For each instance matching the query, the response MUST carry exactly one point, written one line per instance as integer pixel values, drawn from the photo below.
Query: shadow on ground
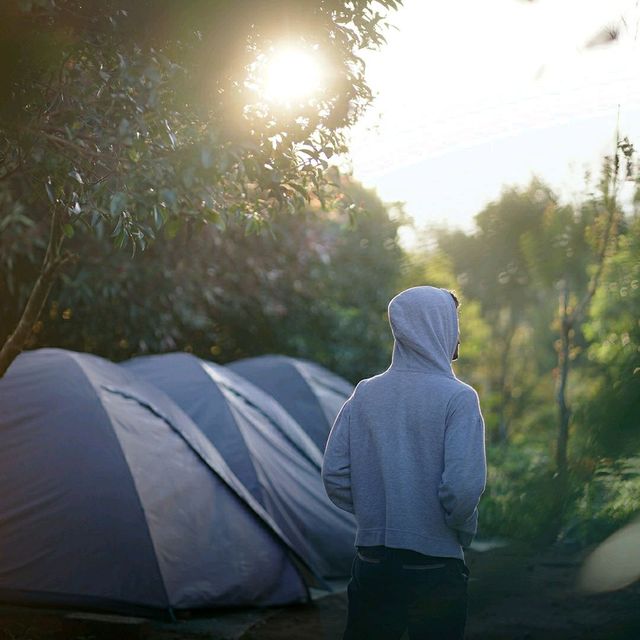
(515, 594)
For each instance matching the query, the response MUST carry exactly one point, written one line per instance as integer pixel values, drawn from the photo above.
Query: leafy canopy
(128, 116)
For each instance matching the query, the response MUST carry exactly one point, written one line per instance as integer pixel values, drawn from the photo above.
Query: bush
(526, 501)
(520, 501)
(606, 501)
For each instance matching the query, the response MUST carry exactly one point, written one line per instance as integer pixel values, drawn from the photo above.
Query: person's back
(406, 456)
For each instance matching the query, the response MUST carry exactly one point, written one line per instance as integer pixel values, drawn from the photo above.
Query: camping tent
(312, 394)
(111, 498)
(265, 448)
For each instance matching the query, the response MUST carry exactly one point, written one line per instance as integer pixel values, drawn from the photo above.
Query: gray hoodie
(406, 452)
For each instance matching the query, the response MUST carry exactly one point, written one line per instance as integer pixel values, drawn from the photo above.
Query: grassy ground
(516, 594)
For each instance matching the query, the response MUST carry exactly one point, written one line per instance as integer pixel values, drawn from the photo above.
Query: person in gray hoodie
(406, 456)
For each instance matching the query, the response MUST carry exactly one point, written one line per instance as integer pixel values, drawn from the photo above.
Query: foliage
(490, 263)
(134, 114)
(518, 502)
(127, 117)
(130, 124)
(575, 255)
(607, 498)
(609, 415)
(491, 268)
(314, 286)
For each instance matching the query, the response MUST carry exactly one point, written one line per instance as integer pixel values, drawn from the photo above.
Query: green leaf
(310, 152)
(212, 216)
(27, 222)
(121, 239)
(153, 74)
(68, 230)
(158, 219)
(172, 227)
(118, 203)
(206, 157)
(118, 230)
(47, 186)
(123, 128)
(188, 177)
(76, 176)
(170, 198)
(300, 189)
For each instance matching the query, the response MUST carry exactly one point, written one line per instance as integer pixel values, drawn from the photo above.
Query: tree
(490, 267)
(130, 117)
(313, 285)
(569, 253)
(609, 415)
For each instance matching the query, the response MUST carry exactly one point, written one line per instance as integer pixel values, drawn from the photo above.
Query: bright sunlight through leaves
(288, 75)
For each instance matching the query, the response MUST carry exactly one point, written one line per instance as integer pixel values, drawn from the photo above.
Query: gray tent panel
(244, 568)
(259, 546)
(105, 503)
(284, 460)
(323, 534)
(331, 390)
(68, 506)
(233, 384)
(183, 376)
(181, 381)
(310, 393)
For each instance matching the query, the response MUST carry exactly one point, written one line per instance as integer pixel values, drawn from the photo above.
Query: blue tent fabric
(264, 447)
(312, 394)
(112, 498)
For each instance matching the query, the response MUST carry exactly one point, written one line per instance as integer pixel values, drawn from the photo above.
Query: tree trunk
(570, 320)
(564, 364)
(505, 395)
(52, 262)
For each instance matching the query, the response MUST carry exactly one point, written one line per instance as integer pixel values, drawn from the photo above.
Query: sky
(472, 96)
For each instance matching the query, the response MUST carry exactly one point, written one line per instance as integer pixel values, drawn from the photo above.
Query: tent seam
(271, 421)
(298, 361)
(272, 529)
(133, 482)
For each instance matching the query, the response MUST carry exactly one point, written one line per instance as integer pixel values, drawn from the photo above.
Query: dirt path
(515, 594)
(530, 596)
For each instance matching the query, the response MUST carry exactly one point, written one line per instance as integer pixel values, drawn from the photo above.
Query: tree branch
(51, 264)
(608, 233)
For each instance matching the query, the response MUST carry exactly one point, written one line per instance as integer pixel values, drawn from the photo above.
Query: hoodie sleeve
(336, 466)
(464, 476)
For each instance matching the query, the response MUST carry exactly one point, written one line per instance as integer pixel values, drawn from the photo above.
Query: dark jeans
(394, 590)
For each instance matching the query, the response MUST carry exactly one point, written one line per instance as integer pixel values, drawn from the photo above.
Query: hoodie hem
(400, 539)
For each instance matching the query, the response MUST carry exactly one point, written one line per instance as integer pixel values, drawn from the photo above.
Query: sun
(290, 75)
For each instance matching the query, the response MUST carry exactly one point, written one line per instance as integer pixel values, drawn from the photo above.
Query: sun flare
(290, 75)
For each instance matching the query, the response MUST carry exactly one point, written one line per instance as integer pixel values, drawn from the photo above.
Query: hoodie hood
(424, 322)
